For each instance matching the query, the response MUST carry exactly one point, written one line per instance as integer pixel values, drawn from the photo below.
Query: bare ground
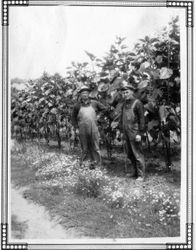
(35, 220)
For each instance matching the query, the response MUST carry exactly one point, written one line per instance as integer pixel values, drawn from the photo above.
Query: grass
(101, 203)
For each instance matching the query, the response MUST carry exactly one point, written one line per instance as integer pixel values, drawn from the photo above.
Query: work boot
(140, 179)
(82, 164)
(131, 175)
(92, 165)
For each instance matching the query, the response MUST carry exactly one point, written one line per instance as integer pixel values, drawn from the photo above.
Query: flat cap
(84, 88)
(125, 85)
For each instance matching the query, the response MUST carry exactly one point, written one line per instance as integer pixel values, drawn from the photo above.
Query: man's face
(84, 95)
(143, 95)
(113, 73)
(128, 94)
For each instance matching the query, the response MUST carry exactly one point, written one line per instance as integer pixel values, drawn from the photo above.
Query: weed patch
(89, 183)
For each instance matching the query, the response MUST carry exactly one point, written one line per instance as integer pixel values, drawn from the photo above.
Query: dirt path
(38, 222)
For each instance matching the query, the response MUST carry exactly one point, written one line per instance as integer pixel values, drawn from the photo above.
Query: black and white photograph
(97, 125)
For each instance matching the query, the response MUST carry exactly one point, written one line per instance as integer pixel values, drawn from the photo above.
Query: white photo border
(188, 7)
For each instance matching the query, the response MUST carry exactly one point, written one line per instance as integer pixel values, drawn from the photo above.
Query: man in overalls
(133, 128)
(84, 118)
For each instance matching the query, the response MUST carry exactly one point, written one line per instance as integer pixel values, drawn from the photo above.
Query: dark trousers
(90, 147)
(135, 154)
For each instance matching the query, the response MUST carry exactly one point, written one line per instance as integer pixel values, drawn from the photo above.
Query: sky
(49, 38)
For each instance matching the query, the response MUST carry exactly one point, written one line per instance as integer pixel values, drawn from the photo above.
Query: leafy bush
(89, 183)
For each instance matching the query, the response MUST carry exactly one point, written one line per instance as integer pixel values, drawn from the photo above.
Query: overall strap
(133, 105)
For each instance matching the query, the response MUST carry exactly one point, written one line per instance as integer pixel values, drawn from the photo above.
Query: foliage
(44, 108)
(89, 183)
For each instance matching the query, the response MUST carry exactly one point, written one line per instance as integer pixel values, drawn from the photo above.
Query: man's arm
(120, 115)
(74, 115)
(98, 106)
(101, 107)
(140, 114)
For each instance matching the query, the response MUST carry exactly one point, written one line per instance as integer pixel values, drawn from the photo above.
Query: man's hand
(77, 131)
(138, 138)
(114, 125)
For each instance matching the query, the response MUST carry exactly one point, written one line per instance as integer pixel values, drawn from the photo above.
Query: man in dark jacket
(133, 128)
(84, 118)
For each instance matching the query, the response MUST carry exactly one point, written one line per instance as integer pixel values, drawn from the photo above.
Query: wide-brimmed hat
(84, 88)
(125, 85)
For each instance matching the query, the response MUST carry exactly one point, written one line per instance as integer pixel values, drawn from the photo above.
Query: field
(99, 203)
